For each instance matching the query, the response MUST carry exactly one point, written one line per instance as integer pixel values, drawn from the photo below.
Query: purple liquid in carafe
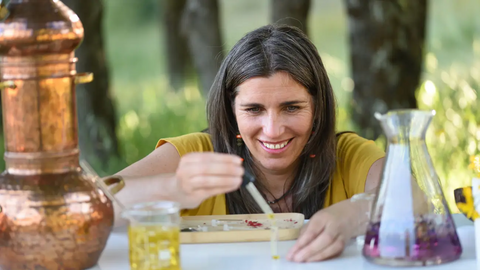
(427, 243)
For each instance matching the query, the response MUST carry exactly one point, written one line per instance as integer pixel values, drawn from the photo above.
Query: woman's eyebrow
(293, 102)
(251, 105)
(286, 103)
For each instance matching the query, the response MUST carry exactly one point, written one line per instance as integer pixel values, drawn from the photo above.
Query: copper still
(52, 214)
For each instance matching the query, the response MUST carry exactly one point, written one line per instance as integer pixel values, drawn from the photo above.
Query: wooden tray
(239, 228)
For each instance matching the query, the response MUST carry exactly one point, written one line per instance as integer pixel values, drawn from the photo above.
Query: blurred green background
(149, 110)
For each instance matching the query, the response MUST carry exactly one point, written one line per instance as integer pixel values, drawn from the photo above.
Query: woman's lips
(275, 148)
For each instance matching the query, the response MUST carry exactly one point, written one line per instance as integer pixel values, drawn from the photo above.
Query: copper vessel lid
(36, 27)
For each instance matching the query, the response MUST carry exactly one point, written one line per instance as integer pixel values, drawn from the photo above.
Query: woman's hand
(323, 237)
(203, 175)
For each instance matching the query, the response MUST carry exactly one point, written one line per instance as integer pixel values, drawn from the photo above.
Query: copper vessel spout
(52, 214)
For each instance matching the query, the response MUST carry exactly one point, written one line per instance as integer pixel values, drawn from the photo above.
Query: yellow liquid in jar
(154, 247)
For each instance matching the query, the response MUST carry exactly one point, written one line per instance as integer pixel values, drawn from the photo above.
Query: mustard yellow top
(355, 156)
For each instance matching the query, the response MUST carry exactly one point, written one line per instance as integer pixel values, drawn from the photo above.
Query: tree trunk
(294, 13)
(386, 42)
(177, 54)
(201, 26)
(96, 114)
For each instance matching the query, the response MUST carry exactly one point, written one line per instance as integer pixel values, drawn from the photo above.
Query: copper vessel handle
(112, 180)
(7, 84)
(84, 77)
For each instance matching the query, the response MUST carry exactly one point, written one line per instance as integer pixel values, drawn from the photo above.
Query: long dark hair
(261, 53)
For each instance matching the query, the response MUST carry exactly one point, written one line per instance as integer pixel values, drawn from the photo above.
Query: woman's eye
(253, 109)
(292, 108)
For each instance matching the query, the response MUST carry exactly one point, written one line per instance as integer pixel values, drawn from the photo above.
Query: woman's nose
(273, 126)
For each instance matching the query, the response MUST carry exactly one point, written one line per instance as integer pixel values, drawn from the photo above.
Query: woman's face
(274, 117)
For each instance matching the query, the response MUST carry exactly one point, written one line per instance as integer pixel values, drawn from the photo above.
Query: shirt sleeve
(355, 156)
(193, 142)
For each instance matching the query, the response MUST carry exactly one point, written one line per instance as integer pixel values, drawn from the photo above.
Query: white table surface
(256, 255)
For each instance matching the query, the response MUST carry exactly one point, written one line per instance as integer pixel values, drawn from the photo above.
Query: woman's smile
(275, 147)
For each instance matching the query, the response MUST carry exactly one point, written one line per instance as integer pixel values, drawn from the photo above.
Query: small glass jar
(154, 235)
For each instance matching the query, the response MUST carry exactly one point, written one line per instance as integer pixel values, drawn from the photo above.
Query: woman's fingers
(213, 169)
(320, 239)
(329, 251)
(205, 157)
(314, 246)
(202, 175)
(309, 232)
(209, 181)
(198, 169)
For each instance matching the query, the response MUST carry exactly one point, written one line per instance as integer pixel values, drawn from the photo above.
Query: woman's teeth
(275, 146)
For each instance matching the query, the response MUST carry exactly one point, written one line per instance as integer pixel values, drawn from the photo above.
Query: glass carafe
(410, 222)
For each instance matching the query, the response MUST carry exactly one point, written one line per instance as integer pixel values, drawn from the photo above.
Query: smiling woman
(271, 111)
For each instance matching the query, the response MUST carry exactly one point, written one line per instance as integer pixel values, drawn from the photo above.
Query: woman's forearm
(145, 189)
